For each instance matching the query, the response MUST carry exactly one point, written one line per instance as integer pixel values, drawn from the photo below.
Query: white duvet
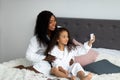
(9, 73)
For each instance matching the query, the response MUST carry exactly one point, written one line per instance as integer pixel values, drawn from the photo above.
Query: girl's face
(63, 38)
(52, 24)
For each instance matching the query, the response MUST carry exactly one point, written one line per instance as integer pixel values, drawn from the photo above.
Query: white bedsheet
(9, 73)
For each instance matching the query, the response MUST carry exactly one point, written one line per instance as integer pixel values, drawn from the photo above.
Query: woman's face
(52, 23)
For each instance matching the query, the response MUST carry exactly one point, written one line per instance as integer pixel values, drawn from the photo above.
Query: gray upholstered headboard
(107, 31)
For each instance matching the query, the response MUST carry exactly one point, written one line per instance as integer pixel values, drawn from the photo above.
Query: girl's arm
(85, 48)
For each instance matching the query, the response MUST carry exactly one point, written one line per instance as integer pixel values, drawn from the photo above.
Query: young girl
(64, 50)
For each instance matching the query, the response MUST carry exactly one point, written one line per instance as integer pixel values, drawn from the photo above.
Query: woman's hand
(71, 62)
(49, 58)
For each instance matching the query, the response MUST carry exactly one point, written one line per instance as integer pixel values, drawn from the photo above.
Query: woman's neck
(49, 33)
(61, 47)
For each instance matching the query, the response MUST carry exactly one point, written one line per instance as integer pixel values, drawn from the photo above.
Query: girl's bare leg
(58, 73)
(82, 76)
(73, 78)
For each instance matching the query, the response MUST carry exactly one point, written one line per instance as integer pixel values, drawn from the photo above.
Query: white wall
(0, 29)
(17, 19)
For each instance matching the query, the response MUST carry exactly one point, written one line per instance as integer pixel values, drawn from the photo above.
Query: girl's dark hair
(70, 44)
(41, 27)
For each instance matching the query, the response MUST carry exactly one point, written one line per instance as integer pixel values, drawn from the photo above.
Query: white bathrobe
(35, 54)
(63, 58)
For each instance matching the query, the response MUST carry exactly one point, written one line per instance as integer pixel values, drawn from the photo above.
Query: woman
(44, 31)
(64, 50)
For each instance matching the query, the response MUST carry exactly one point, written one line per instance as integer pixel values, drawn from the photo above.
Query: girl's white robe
(63, 57)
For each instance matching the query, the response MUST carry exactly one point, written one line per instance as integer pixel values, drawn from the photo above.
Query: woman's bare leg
(82, 76)
(20, 67)
(28, 68)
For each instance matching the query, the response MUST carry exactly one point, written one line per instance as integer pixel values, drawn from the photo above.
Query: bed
(107, 45)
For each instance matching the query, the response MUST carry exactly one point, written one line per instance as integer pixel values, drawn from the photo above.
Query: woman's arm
(32, 50)
(49, 58)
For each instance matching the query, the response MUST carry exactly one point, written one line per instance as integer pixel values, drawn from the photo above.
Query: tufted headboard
(107, 31)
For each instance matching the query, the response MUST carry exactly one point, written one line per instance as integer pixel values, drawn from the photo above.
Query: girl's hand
(92, 40)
